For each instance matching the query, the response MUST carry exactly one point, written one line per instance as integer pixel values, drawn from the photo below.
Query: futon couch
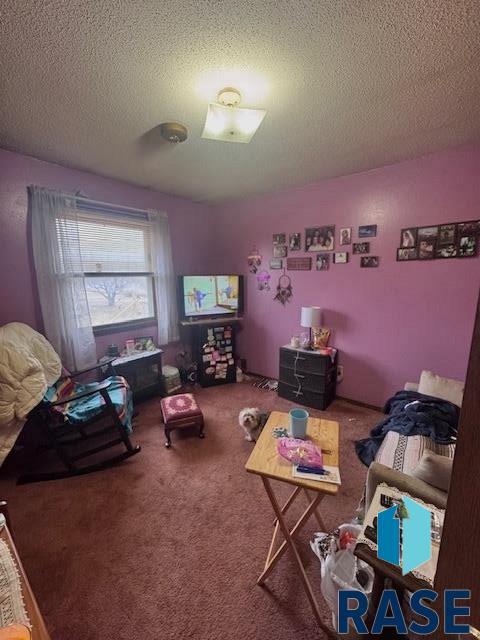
(416, 464)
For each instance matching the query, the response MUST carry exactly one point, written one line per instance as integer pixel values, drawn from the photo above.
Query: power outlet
(339, 372)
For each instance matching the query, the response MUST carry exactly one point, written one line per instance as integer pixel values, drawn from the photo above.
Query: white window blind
(113, 253)
(114, 246)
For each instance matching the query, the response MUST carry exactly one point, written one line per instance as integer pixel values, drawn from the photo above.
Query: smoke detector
(173, 132)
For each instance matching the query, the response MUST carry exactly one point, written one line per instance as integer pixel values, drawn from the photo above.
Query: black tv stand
(198, 320)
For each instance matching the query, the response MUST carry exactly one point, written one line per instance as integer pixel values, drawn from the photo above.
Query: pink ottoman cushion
(178, 407)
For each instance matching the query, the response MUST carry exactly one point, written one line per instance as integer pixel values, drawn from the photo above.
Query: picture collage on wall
(319, 241)
(450, 240)
(358, 248)
(322, 242)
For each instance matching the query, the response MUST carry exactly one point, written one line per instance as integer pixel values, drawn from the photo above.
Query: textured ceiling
(348, 85)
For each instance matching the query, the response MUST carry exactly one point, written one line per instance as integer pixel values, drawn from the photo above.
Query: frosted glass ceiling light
(228, 122)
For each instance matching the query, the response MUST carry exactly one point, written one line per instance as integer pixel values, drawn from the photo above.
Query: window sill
(119, 327)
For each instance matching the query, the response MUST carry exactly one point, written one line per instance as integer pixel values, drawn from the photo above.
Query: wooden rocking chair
(69, 438)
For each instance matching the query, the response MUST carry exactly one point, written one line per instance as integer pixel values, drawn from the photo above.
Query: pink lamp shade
(311, 317)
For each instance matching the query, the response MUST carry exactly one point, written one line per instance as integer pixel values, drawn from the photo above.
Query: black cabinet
(143, 372)
(307, 377)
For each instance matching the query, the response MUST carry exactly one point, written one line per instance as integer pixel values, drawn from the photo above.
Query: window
(116, 262)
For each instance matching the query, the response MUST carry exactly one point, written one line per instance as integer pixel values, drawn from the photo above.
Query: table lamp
(311, 317)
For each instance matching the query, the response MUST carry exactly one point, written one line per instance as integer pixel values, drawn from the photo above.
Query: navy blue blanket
(411, 413)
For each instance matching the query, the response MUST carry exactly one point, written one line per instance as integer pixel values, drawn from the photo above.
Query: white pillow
(443, 388)
(434, 469)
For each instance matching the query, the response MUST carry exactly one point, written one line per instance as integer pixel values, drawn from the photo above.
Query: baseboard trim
(257, 375)
(365, 405)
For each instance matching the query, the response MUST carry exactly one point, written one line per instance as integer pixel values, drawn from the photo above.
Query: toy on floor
(280, 432)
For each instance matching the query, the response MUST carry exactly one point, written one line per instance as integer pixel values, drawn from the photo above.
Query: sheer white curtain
(164, 278)
(60, 279)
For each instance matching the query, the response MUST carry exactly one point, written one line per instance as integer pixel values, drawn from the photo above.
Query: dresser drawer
(315, 382)
(306, 397)
(304, 361)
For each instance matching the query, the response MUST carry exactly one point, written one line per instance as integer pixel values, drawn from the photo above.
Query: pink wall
(18, 299)
(391, 322)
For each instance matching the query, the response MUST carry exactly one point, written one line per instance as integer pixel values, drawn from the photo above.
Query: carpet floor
(169, 543)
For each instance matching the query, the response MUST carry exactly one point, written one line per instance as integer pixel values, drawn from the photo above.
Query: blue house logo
(404, 538)
(404, 535)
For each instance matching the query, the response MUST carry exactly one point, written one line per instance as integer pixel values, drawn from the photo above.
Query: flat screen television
(203, 297)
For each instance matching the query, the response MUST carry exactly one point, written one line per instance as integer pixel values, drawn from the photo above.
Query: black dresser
(307, 377)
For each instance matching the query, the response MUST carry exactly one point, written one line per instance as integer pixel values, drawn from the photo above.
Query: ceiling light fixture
(227, 122)
(173, 132)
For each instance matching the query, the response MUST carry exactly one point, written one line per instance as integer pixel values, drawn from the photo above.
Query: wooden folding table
(266, 462)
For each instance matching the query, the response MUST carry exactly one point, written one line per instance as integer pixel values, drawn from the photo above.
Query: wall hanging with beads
(263, 280)
(284, 289)
(254, 260)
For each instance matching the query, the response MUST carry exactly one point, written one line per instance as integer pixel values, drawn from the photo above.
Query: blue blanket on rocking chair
(79, 411)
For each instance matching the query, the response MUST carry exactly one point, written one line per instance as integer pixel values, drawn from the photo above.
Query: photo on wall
(367, 231)
(276, 263)
(299, 264)
(427, 241)
(467, 246)
(294, 242)
(279, 238)
(446, 251)
(407, 253)
(426, 249)
(361, 247)
(369, 261)
(320, 238)
(346, 235)
(447, 234)
(469, 228)
(427, 233)
(323, 261)
(279, 251)
(446, 245)
(408, 237)
(340, 257)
